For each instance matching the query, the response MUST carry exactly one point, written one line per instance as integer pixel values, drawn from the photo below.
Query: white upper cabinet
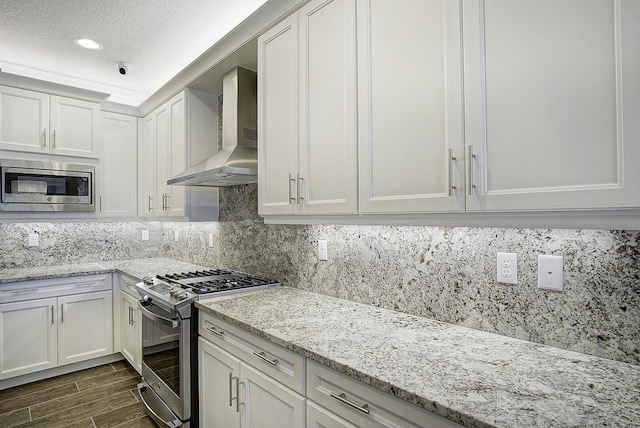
(24, 120)
(278, 117)
(163, 153)
(552, 104)
(307, 145)
(410, 106)
(118, 166)
(40, 123)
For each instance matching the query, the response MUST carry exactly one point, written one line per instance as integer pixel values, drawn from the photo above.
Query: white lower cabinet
(28, 335)
(50, 323)
(337, 400)
(131, 332)
(241, 380)
(85, 327)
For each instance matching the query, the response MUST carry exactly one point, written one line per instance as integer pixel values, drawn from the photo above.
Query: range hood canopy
(237, 162)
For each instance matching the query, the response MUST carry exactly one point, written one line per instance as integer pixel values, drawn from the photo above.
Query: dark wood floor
(104, 396)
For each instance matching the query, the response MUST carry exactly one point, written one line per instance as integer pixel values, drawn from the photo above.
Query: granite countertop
(475, 378)
(138, 268)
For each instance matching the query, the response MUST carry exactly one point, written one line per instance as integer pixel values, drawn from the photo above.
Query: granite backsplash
(444, 273)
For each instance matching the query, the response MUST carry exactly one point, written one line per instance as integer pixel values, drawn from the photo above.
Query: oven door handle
(175, 323)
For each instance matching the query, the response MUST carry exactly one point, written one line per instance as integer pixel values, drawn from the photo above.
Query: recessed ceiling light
(88, 43)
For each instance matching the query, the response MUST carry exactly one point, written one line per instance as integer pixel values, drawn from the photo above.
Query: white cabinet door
(218, 386)
(268, 403)
(307, 148)
(28, 337)
(147, 165)
(24, 120)
(176, 155)
(552, 104)
(131, 331)
(410, 106)
(119, 166)
(278, 118)
(75, 126)
(85, 326)
(328, 181)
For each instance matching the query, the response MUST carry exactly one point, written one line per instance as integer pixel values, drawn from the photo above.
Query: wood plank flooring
(104, 396)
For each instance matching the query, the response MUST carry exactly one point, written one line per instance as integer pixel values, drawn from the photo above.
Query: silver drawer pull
(263, 357)
(364, 408)
(25, 291)
(216, 332)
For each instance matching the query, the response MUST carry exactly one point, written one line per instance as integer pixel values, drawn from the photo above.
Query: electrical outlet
(323, 251)
(145, 235)
(211, 240)
(176, 236)
(550, 276)
(507, 268)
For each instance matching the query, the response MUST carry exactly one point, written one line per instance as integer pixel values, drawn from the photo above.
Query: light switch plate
(550, 275)
(211, 240)
(34, 240)
(507, 268)
(176, 236)
(145, 235)
(323, 251)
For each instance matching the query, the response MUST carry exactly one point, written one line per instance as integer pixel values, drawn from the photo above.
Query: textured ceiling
(157, 38)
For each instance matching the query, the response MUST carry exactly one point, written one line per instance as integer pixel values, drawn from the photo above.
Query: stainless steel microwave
(46, 186)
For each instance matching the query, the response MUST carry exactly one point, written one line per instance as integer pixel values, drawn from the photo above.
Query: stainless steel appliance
(237, 162)
(169, 388)
(46, 186)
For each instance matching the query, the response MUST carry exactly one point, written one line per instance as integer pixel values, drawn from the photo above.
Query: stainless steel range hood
(237, 162)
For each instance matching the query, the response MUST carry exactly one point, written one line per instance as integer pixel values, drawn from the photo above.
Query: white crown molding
(13, 80)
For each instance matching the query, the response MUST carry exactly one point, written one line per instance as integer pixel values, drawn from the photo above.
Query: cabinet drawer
(54, 287)
(363, 405)
(128, 285)
(281, 364)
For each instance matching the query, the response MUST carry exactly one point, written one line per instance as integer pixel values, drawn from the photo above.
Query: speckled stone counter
(475, 378)
(137, 268)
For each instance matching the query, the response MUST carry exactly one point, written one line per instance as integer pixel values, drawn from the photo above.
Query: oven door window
(161, 347)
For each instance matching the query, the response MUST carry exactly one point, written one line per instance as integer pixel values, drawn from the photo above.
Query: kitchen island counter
(138, 268)
(474, 378)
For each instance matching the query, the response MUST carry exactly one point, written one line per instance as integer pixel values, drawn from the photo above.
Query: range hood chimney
(237, 162)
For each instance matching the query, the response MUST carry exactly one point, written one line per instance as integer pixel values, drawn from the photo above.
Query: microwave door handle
(175, 323)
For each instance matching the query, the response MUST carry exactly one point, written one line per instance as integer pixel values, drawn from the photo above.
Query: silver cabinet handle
(237, 397)
(52, 321)
(44, 138)
(291, 198)
(53, 140)
(472, 156)
(150, 202)
(364, 408)
(62, 312)
(168, 196)
(214, 331)
(300, 181)
(263, 357)
(100, 202)
(130, 315)
(452, 186)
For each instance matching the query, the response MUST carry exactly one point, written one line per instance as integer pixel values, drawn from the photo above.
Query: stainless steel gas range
(169, 387)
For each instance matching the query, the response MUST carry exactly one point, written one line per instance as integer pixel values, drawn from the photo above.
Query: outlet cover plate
(550, 276)
(507, 268)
